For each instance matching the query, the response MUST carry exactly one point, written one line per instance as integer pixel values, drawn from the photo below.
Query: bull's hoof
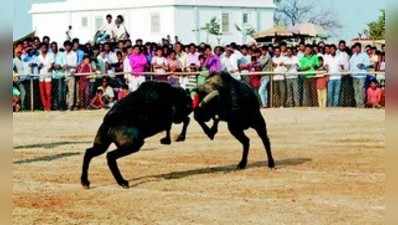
(165, 141)
(211, 134)
(124, 184)
(180, 138)
(242, 165)
(271, 164)
(85, 184)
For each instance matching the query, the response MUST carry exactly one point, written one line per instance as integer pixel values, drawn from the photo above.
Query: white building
(152, 20)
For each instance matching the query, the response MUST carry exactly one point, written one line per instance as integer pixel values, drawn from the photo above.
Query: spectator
(16, 100)
(308, 63)
(292, 93)
(123, 92)
(78, 50)
(58, 78)
(255, 80)
(193, 56)
(120, 31)
(279, 83)
(266, 65)
(97, 101)
(159, 65)
(334, 65)
(230, 64)
(105, 33)
(244, 62)
(212, 61)
(138, 63)
(374, 95)
(19, 70)
(70, 68)
(46, 63)
(108, 95)
(359, 64)
(321, 85)
(84, 89)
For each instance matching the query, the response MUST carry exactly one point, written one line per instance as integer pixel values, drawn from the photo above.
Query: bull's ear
(188, 92)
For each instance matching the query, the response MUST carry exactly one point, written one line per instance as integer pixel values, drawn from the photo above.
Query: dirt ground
(330, 170)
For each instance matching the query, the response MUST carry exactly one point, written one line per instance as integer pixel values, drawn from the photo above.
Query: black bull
(153, 108)
(238, 105)
(156, 105)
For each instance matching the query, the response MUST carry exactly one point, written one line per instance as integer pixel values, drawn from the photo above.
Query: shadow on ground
(50, 145)
(220, 169)
(48, 158)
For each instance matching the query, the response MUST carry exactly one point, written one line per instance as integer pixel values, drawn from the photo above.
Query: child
(97, 102)
(16, 106)
(255, 80)
(174, 65)
(123, 92)
(84, 89)
(159, 65)
(321, 85)
(374, 95)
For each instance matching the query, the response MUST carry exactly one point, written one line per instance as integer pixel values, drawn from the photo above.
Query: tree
(213, 27)
(376, 30)
(246, 30)
(292, 12)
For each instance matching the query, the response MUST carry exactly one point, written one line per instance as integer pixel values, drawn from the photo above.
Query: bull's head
(182, 105)
(207, 110)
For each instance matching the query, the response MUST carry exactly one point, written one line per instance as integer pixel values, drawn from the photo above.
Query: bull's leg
(261, 129)
(210, 132)
(166, 140)
(244, 140)
(182, 135)
(101, 144)
(122, 151)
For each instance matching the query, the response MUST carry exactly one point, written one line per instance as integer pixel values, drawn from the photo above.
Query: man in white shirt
(279, 83)
(229, 64)
(293, 97)
(359, 64)
(335, 65)
(46, 63)
(70, 68)
(107, 28)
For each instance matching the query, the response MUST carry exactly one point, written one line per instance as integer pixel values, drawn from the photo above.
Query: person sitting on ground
(97, 102)
(108, 94)
(123, 92)
(374, 95)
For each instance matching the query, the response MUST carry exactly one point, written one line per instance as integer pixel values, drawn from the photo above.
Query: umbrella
(273, 32)
(308, 29)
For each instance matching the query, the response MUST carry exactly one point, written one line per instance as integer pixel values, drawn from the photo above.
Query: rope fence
(380, 76)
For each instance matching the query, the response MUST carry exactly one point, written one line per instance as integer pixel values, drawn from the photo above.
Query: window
(84, 21)
(225, 22)
(245, 18)
(99, 21)
(155, 23)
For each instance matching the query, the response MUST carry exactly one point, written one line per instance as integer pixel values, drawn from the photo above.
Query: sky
(353, 15)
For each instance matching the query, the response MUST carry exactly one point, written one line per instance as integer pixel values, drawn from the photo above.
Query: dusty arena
(329, 171)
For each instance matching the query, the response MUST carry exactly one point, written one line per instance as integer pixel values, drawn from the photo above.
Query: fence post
(270, 91)
(32, 107)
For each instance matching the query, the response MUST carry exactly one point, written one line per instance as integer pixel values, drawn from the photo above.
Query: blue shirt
(30, 59)
(355, 62)
(80, 55)
(59, 59)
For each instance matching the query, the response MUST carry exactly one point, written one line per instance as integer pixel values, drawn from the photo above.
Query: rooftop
(92, 5)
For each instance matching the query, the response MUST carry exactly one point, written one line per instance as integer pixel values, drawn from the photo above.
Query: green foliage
(213, 27)
(377, 29)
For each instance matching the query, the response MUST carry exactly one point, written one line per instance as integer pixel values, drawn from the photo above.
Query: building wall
(173, 20)
(190, 18)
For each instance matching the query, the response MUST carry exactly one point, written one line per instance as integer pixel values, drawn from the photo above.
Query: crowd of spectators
(119, 64)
